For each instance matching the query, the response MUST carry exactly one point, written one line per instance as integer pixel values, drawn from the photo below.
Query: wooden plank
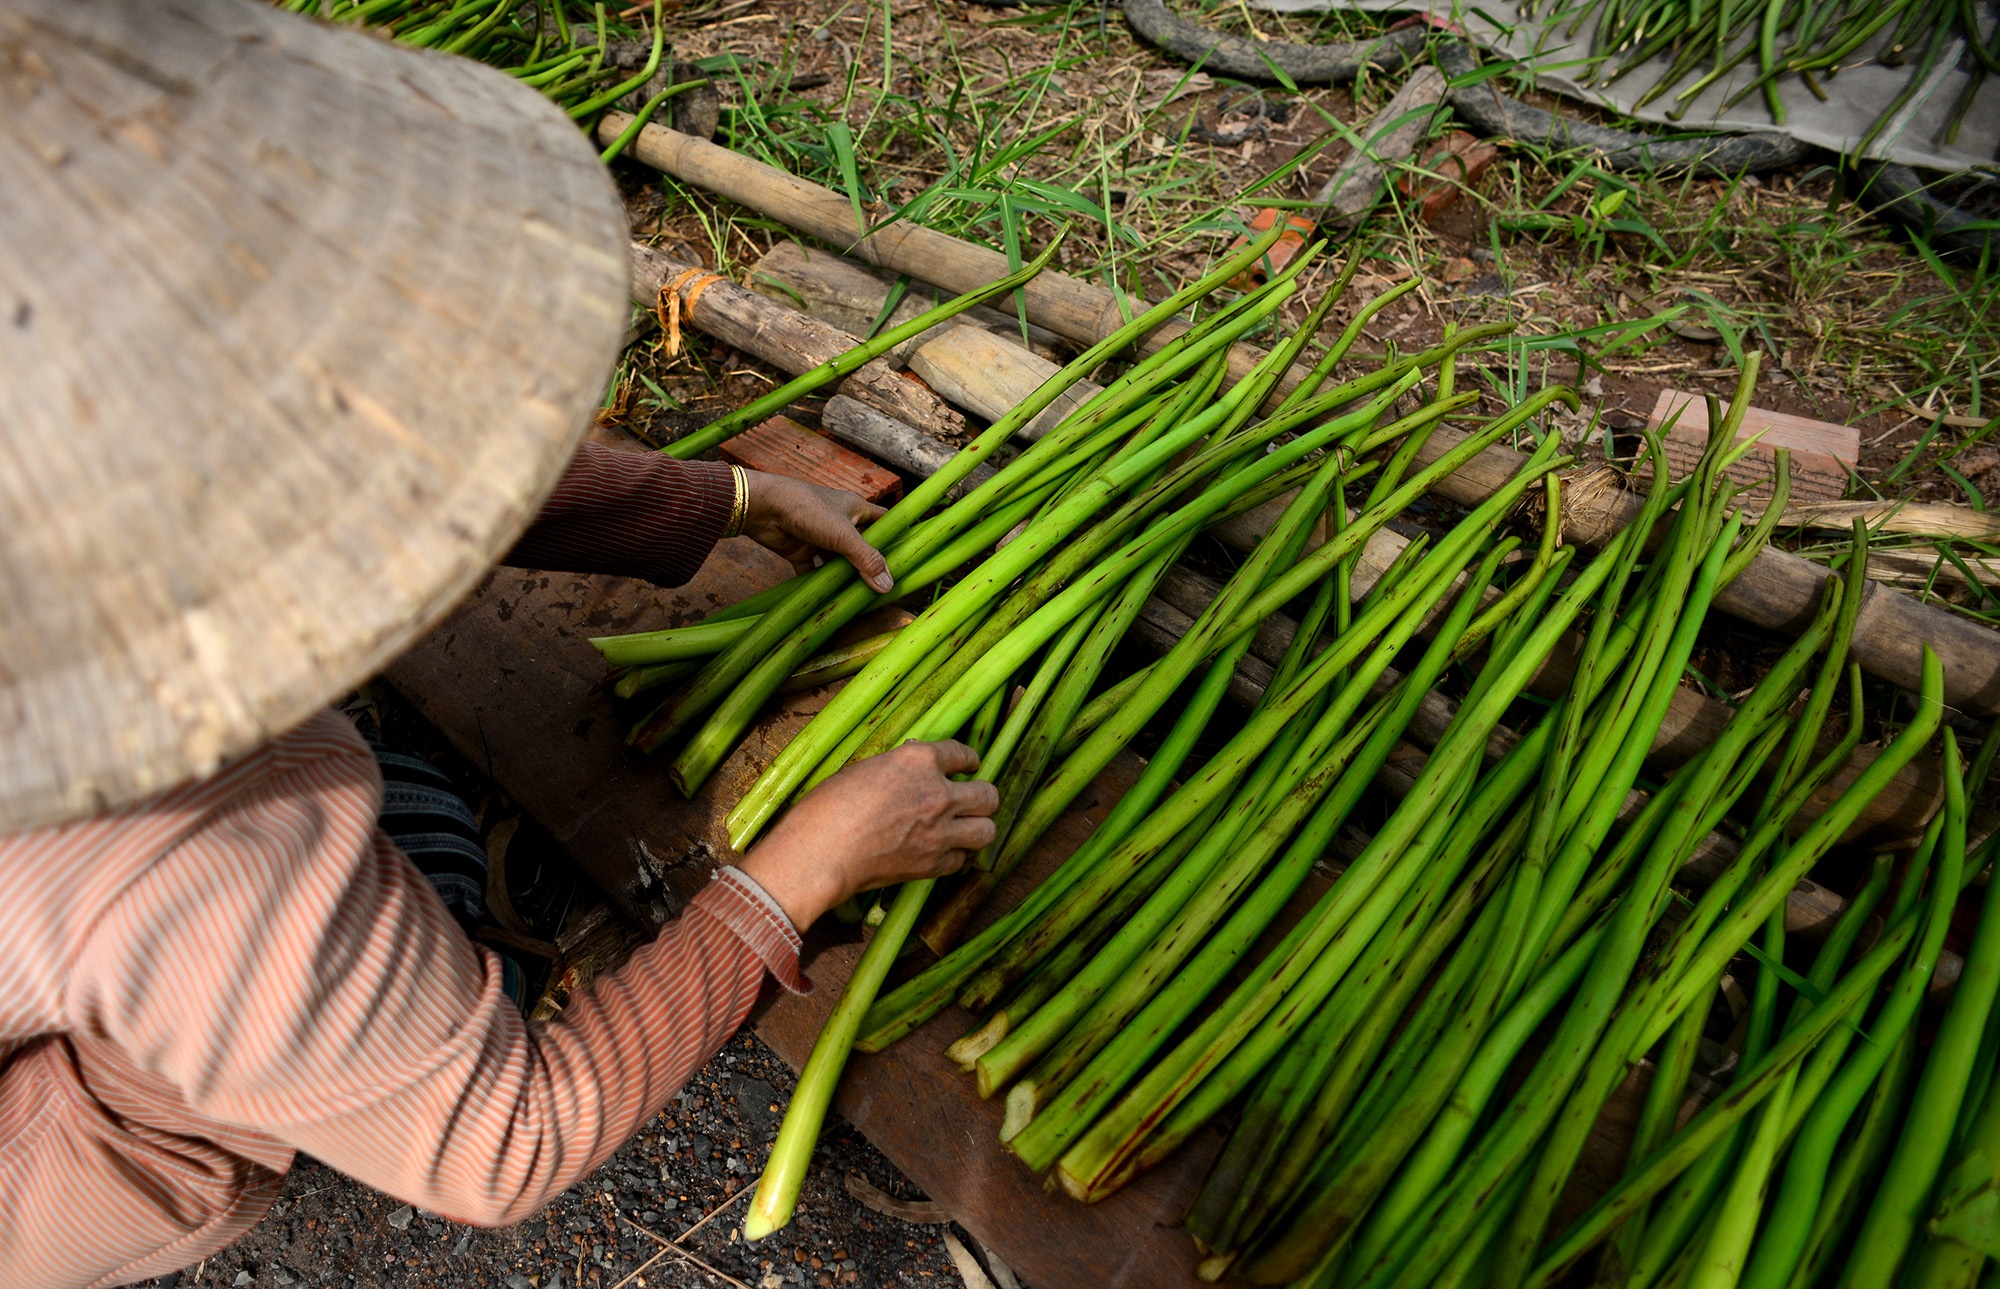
(1394, 134)
(783, 446)
(513, 682)
(1821, 451)
(925, 1114)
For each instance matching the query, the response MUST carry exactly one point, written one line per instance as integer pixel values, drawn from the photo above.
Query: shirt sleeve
(288, 970)
(636, 514)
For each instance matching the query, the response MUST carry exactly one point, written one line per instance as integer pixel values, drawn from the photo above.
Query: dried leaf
(919, 1212)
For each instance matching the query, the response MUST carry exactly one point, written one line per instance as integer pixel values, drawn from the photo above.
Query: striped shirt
(245, 967)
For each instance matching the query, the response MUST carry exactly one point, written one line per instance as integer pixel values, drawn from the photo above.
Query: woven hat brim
(297, 329)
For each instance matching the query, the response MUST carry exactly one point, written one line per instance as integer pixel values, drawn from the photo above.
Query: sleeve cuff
(638, 514)
(747, 909)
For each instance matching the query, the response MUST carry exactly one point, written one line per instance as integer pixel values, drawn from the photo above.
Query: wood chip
(918, 1212)
(968, 1266)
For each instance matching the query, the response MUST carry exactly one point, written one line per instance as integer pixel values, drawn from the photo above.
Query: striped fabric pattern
(637, 514)
(247, 966)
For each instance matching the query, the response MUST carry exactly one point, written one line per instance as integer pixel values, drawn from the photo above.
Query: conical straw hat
(297, 329)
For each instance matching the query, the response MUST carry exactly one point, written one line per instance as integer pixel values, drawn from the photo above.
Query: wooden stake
(1393, 137)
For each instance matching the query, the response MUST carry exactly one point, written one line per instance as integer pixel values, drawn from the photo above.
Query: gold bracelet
(739, 509)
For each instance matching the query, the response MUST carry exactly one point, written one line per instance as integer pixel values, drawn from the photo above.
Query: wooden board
(960, 366)
(1821, 451)
(924, 1113)
(783, 446)
(513, 681)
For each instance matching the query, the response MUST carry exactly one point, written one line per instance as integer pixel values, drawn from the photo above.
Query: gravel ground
(687, 1169)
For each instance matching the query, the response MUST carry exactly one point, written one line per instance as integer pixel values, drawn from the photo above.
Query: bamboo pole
(1777, 591)
(790, 340)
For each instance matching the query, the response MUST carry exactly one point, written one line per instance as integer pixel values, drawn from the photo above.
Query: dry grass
(999, 124)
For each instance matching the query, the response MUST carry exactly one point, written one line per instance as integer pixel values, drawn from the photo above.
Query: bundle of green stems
(1776, 40)
(557, 46)
(1417, 1063)
(1383, 1145)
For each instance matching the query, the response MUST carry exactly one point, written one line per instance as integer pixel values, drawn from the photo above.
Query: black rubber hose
(1903, 193)
(1236, 56)
(1486, 109)
(1483, 106)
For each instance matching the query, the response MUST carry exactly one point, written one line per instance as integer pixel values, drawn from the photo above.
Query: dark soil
(691, 1163)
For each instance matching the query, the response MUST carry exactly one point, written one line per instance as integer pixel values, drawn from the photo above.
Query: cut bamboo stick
(784, 337)
(1912, 518)
(957, 366)
(892, 442)
(850, 295)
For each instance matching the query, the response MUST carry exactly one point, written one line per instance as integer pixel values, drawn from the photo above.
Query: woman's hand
(889, 818)
(799, 519)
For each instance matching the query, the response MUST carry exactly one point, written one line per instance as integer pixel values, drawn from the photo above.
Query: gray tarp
(1856, 96)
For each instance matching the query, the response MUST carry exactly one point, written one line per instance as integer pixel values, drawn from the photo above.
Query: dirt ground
(681, 1181)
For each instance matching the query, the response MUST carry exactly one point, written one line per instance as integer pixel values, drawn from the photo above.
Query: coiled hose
(1483, 106)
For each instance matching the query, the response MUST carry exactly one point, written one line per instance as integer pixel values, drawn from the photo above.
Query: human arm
(901, 817)
(644, 514)
(285, 968)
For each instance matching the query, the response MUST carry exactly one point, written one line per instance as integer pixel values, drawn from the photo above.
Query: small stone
(1458, 268)
(734, 1164)
(773, 1281)
(701, 1146)
(519, 1282)
(650, 1217)
(463, 1247)
(244, 1278)
(400, 1219)
(284, 1277)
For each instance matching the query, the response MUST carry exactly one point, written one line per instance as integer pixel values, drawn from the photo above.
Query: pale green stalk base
(791, 1154)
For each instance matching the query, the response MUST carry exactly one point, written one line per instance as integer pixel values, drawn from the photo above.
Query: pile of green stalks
(1779, 40)
(1418, 1061)
(558, 46)
(1419, 1102)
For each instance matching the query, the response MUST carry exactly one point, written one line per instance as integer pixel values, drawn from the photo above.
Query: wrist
(801, 888)
(739, 509)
